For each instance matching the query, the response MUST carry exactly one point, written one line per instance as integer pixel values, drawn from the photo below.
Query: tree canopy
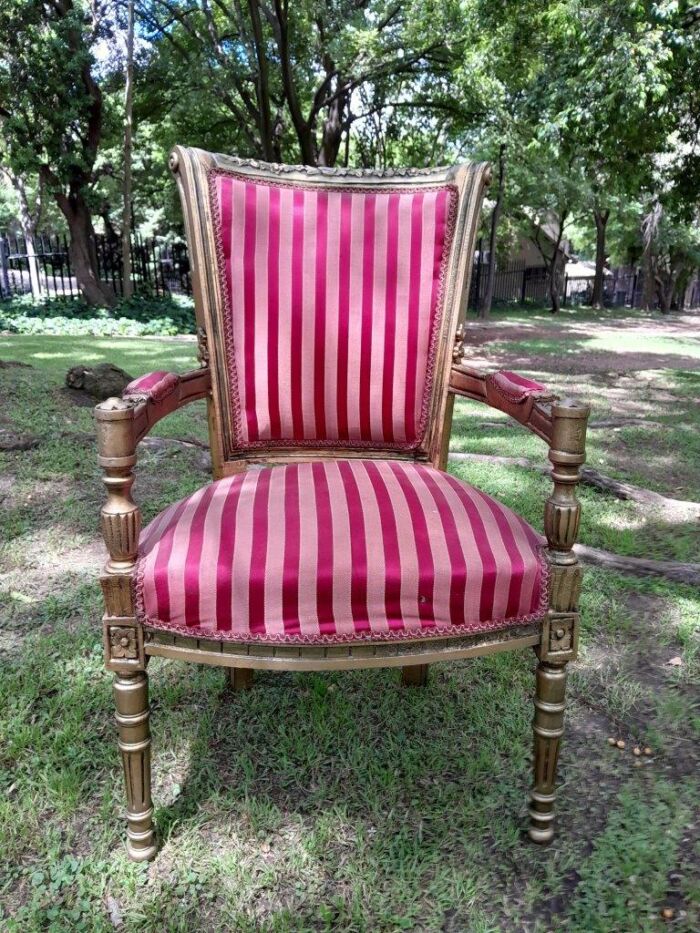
(587, 108)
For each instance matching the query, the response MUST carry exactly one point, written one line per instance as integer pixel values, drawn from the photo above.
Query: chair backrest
(327, 303)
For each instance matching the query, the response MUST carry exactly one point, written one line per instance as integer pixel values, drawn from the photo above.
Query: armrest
(528, 402)
(149, 398)
(121, 424)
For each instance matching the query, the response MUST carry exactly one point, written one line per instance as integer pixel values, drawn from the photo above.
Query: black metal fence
(163, 268)
(513, 284)
(520, 284)
(158, 267)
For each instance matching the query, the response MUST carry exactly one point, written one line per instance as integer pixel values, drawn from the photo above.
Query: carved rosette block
(132, 718)
(559, 637)
(124, 645)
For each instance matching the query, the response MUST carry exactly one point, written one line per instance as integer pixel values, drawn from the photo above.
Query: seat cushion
(337, 551)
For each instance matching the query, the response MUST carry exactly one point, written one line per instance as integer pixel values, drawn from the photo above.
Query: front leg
(123, 635)
(132, 716)
(559, 642)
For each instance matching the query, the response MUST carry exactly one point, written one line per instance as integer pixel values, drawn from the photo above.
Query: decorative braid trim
(433, 632)
(355, 444)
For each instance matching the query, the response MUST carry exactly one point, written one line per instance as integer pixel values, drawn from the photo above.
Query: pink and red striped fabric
(156, 385)
(335, 551)
(332, 307)
(514, 387)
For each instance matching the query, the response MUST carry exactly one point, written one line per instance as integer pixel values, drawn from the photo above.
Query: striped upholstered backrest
(329, 305)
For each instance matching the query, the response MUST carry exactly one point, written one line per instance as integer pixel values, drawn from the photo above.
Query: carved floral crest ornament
(330, 351)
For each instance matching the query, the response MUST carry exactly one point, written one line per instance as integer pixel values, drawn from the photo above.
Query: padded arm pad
(523, 399)
(148, 399)
(513, 387)
(157, 386)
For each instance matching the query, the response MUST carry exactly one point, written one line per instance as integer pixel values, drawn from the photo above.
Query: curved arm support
(527, 402)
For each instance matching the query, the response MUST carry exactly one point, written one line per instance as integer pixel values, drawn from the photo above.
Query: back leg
(241, 678)
(415, 676)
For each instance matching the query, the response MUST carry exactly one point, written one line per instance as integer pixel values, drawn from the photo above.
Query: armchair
(327, 305)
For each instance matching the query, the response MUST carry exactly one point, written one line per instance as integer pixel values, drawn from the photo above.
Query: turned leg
(548, 728)
(131, 699)
(241, 678)
(560, 626)
(415, 675)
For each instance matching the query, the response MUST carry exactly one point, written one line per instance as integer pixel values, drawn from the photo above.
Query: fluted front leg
(548, 728)
(559, 642)
(132, 716)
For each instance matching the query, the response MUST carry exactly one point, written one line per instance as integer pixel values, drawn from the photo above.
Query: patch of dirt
(14, 440)
(14, 364)
(579, 360)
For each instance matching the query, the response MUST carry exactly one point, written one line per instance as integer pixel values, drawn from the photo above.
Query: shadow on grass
(336, 799)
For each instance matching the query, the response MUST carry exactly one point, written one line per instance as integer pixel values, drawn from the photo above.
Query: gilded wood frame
(122, 423)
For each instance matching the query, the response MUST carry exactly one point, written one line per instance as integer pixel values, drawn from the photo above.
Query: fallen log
(674, 570)
(591, 477)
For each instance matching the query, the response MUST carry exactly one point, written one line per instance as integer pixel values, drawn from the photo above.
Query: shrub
(137, 317)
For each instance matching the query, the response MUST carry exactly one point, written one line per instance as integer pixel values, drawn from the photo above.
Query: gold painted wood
(559, 643)
(122, 423)
(132, 715)
(241, 678)
(415, 676)
(548, 728)
(338, 657)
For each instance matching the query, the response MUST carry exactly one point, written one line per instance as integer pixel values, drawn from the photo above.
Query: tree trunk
(601, 221)
(333, 131)
(487, 301)
(32, 262)
(127, 287)
(554, 296)
(666, 284)
(83, 255)
(554, 278)
(28, 224)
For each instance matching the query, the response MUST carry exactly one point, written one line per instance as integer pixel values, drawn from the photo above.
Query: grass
(342, 801)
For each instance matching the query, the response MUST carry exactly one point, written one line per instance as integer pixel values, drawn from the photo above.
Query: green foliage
(137, 317)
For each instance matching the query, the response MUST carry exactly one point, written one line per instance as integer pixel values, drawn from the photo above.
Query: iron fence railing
(162, 267)
(520, 284)
(158, 267)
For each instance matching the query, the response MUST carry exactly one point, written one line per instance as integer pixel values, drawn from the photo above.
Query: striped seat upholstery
(332, 302)
(336, 551)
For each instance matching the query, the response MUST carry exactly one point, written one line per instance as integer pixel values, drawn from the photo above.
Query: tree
(128, 124)
(29, 220)
(288, 74)
(52, 114)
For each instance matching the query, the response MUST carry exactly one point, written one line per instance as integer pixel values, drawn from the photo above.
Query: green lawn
(342, 801)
